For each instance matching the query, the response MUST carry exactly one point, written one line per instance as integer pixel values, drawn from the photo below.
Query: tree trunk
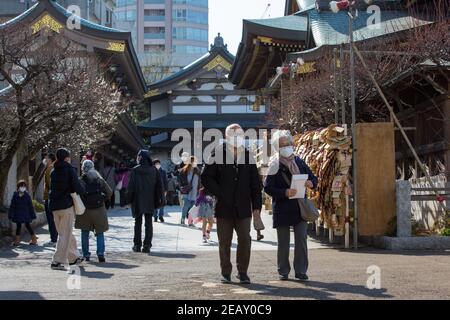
(5, 165)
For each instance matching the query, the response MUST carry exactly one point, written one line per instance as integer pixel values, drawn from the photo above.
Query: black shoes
(161, 219)
(146, 249)
(243, 278)
(87, 258)
(101, 259)
(284, 277)
(58, 266)
(77, 261)
(137, 249)
(156, 219)
(302, 277)
(226, 278)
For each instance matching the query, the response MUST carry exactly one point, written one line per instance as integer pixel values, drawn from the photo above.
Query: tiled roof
(330, 28)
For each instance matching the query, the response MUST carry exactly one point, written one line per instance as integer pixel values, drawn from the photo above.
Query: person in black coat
(145, 193)
(21, 211)
(236, 184)
(63, 182)
(159, 213)
(286, 212)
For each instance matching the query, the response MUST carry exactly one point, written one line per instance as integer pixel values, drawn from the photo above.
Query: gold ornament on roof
(47, 21)
(116, 46)
(151, 93)
(219, 62)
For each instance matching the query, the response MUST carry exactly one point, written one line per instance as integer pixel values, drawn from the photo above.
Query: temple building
(115, 51)
(203, 92)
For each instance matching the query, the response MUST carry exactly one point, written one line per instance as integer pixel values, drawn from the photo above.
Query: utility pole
(351, 16)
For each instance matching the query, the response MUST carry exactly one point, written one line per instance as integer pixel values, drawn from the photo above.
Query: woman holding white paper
(286, 210)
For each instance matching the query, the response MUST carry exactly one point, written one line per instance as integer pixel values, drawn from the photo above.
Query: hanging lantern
(337, 6)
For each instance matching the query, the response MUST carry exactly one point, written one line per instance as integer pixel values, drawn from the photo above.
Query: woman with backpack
(189, 177)
(95, 217)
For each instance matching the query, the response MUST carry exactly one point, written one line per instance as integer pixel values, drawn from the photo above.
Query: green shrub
(38, 207)
(446, 232)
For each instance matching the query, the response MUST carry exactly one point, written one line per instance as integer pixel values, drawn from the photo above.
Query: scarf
(290, 164)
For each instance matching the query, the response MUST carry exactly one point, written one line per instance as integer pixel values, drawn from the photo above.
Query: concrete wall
(427, 213)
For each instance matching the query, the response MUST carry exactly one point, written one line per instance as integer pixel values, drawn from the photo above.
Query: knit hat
(145, 156)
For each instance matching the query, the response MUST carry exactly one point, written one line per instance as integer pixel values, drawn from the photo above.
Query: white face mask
(44, 162)
(158, 166)
(22, 189)
(286, 152)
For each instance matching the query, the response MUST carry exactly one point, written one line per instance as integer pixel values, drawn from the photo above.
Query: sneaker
(260, 237)
(208, 234)
(137, 249)
(182, 222)
(243, 278)
(87, 258)
(156, 219)
(284, 277)
(77, 261)
(226, 278)
(146, 249)
(58, 266)
(50, 244)
(301, 277)
(161, 219)
(205, 239)
(101, 259)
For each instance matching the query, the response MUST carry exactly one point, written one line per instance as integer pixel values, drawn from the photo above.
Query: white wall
(159, 109)
(194, 109)
(242, 109)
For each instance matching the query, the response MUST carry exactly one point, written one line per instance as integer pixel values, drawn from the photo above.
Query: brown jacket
(47, 181)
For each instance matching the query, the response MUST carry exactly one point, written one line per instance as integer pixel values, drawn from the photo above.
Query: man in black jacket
(159, 213)
(64, 181)
(236, 184)
(145, 195)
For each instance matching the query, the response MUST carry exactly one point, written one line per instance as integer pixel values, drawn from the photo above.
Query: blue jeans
(188, 204)
(85, 243)
(51, 223)
(158, 213)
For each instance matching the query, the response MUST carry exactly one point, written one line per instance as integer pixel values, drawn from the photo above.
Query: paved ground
(181, 267)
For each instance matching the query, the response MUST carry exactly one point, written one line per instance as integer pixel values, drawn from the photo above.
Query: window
(196, 3)
(190, 16)
(124, 3)
(182, 33)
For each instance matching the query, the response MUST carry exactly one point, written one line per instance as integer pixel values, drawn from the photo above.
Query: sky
(225, 16)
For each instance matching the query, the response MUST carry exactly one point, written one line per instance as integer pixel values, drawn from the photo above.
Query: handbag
(78, 204)
(308, 210)
(119, 185)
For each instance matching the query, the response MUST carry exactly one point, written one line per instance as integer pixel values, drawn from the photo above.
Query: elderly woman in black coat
(286, 211)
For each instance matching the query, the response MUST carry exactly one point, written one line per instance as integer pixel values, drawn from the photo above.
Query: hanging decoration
(328, 153)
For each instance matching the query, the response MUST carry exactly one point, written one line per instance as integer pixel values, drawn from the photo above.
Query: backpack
(93, 198)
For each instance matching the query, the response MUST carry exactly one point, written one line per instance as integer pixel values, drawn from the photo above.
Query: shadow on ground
(20, 295)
